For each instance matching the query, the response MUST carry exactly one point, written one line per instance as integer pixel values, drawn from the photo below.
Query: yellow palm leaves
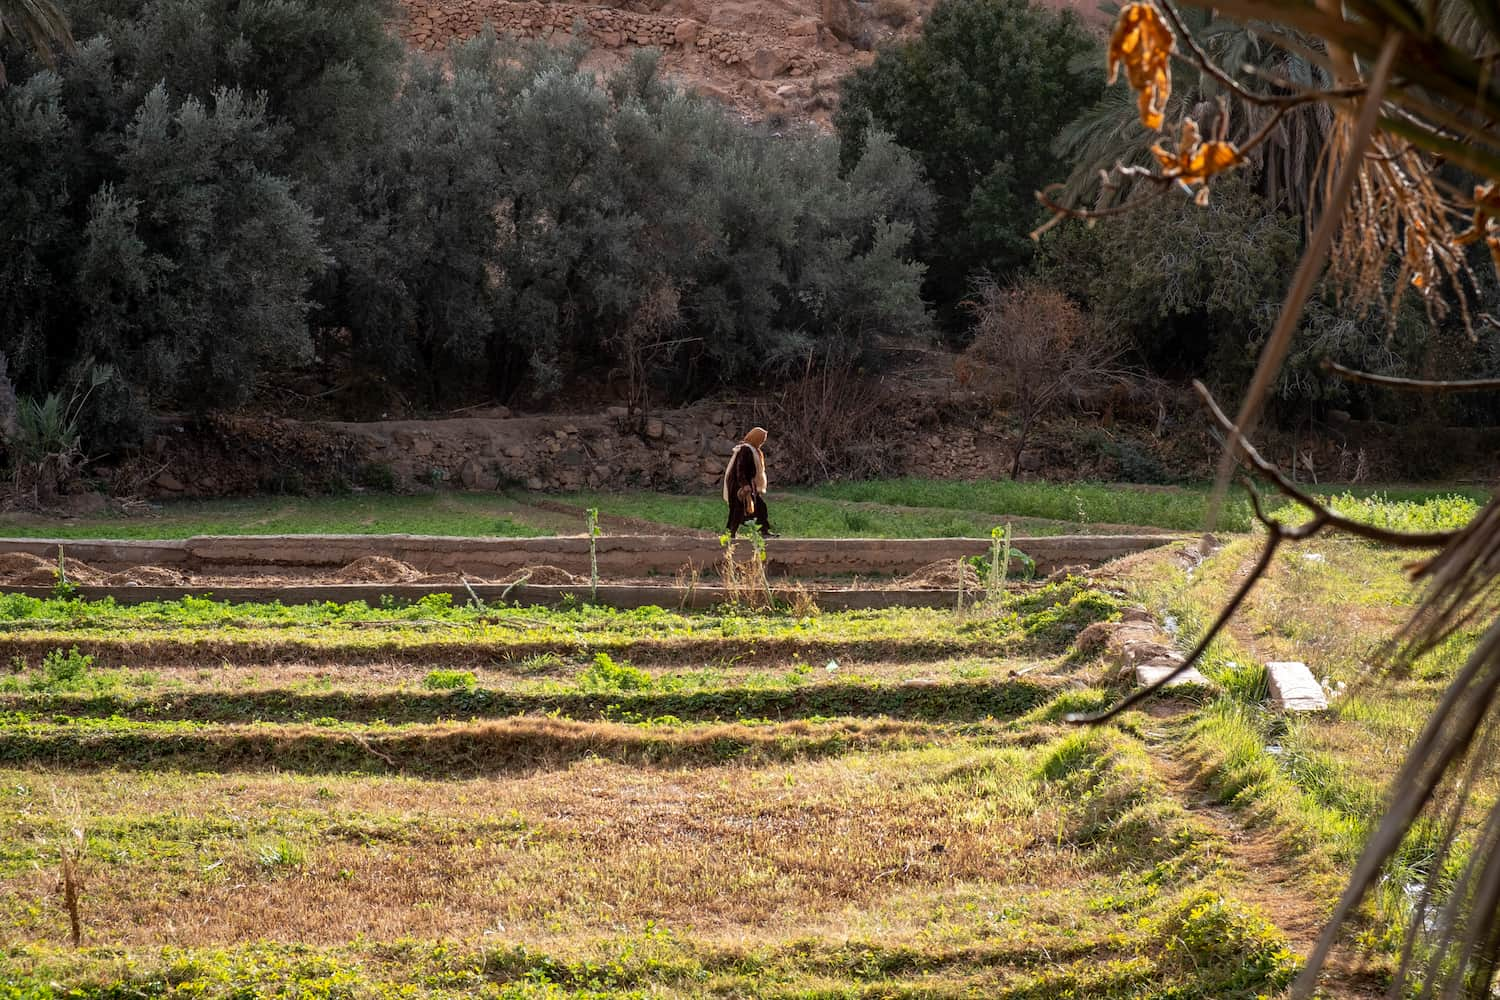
(1143, 43)
(1195, 161)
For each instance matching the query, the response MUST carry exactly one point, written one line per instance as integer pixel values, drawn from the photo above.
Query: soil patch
(945, 574)
(377, 569)
(544, 576)
(21, 569)
(146, 576)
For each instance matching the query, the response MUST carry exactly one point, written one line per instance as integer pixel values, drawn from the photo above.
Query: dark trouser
(737, 515)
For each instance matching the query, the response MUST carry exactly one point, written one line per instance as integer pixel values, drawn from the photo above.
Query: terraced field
(433, 801)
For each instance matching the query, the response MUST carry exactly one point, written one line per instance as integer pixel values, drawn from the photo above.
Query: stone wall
(558, 453)
(431, 24)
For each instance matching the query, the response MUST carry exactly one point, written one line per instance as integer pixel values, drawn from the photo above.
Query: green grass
(799, 516)
(364, 514)
(1178, 508)
(898, 508)
(192, 629)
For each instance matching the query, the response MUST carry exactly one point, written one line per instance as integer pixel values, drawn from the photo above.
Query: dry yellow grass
(173, 859)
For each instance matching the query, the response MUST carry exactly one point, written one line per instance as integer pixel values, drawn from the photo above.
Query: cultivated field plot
(439, 801)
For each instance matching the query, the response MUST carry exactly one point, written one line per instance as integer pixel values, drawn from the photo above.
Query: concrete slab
(1294, 688)
(1147, 674)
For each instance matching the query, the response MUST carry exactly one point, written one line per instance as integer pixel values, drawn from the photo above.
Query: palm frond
(40, 25)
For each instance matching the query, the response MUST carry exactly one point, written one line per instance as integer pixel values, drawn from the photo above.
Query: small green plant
(280, 855)
(1227, 947)
(65, 670)
(959, 610)
(758, 543)
(593, 555)
(540, 663)
(47, 437)
(64, 589)
(604, 674)
(999, 563)
(449, 680)
(439, 605)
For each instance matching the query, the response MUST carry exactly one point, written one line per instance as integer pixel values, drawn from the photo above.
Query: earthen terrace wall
(619, 557)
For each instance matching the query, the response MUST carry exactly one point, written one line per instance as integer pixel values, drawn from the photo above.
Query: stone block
(1154, 670)
(767, 64)
(1294, 688)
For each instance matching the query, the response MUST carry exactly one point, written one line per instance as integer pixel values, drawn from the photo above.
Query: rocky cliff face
(773, 61)
(777, 61)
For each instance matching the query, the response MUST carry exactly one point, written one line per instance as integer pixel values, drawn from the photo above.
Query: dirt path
(1263, 865)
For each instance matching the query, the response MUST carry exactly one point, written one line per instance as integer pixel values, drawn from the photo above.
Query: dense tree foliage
(979, 97)
(1198, 289)
(210, 190)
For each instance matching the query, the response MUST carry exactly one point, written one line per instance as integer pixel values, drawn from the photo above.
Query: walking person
(745, 484)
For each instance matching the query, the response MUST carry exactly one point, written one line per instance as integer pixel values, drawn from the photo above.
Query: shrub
(604, 674)
(1225, 947)
(65, 670)
(449, 680)
(1034, 351)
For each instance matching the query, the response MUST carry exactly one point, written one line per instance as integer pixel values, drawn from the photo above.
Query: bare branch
(1249, 454)
(1061, 212)
(1411, 384)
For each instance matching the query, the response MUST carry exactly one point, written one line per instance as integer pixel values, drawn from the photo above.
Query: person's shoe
(772, 534)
